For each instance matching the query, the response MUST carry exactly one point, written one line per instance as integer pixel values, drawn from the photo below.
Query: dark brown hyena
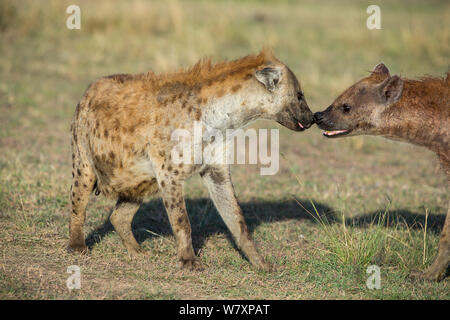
(415, 111)
(122, 141)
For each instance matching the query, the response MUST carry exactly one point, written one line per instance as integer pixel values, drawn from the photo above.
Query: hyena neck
(421, 116)
(235, 111)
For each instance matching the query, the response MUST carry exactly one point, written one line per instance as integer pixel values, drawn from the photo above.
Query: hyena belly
(115, 147)
(122, 171)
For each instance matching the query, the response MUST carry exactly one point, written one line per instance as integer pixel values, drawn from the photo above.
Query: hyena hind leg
(83, 180)
(121, 219)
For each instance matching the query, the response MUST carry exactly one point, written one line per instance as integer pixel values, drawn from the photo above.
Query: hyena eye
(300, 96)
(346, 108)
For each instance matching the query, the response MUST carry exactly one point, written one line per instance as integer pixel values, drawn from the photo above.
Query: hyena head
(359, 109)
(288, 104)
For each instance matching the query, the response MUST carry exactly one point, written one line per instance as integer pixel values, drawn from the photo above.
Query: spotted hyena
(415, 111)
(121, 141)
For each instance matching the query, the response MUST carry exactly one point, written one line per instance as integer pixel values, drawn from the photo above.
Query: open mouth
(335, 133)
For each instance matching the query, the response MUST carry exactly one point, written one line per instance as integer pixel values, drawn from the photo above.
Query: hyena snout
(307, 117)
(301, 117)
(329, 120)
(333, 124)
(319, 117)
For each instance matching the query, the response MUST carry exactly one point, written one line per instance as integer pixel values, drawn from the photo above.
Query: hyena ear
(381, 69)
(269, 77)
(391, 89)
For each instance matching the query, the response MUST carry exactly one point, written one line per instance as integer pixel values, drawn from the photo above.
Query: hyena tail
(83, 182)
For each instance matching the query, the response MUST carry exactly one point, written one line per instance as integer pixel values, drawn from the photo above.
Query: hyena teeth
(333, 133)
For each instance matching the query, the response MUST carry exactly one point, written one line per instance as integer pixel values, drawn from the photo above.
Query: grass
(352, 246)
(378, 202)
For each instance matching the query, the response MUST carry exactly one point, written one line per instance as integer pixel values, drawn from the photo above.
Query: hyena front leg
(173, 199)
(437, 271)
(121, 219)
(218, 181)
(82, 184)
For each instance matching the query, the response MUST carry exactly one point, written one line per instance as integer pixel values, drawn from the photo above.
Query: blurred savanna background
(334, 208)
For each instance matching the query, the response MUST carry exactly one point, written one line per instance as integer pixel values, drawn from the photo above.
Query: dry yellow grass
(45, 68)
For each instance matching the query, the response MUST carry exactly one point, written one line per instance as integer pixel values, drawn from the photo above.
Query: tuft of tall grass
(378, 242)
(351, 245)
(381, 242)
(348, 244)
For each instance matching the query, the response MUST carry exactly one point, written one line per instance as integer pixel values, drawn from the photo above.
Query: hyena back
(122, 141)
(415, 111)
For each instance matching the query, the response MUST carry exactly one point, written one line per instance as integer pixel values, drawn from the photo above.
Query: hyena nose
(318, 117)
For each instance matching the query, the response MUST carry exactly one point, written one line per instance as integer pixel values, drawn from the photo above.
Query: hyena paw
(134, 252)
(265, 266)
(77, 248)
(190, 264)
(429, 275)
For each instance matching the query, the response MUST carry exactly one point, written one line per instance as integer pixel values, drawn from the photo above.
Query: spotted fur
(121, 140)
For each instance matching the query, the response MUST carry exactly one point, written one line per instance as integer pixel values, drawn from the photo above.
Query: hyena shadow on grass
(409, 219)
(151, 219)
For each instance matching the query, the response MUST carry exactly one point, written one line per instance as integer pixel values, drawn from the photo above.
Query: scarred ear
(381, 69)
(269, 77)
(391, 89)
